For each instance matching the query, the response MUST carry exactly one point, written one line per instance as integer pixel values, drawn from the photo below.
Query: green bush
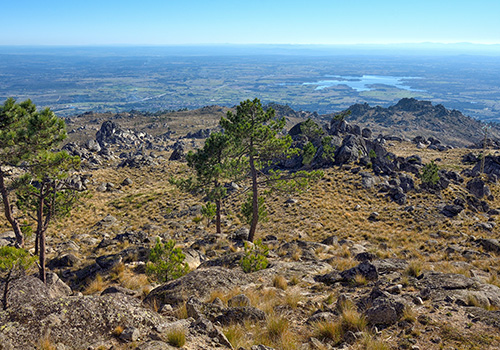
(247, 209)
(308, 153)
(208, 211)
(430, 174)
(255, 258)
(328, 149)
(165, 262)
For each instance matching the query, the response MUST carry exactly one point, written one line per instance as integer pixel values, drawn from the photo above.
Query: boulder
(198, 283)
(75, 322)
(490, 245)
(234, 315)
(478, 188)
(365, 269)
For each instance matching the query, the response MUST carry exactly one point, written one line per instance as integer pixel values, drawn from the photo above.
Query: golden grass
(117, 331)
(97, 285)
(280, 282)
(236, 335)
(181, 312)
(44, 343)
(176, 337)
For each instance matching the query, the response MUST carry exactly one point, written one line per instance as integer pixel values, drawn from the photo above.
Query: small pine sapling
(208, 211)
(165, 262)
(14, 262)
(255, 257)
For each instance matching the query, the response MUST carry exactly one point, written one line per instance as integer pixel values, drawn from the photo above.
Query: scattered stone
(127, 182)
(478, 188)
(365, 269)
(374, 216)
(130, 334)
(240, 300)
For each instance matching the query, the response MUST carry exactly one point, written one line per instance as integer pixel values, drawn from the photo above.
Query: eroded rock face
(198, 283)
(458, 288)
(76, 322)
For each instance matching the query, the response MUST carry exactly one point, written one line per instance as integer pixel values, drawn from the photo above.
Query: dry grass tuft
(181, 312)
(414, 268)
(280, 282)
(97, 285)
(176, 337)
(117, 331)
(44, 343)
(236, 334)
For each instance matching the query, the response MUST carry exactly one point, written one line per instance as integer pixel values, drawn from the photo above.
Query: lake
(364, 83)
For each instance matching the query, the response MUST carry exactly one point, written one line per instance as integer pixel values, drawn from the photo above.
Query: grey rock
(321, 317)
(240, 234)
(57, 288)
(452, 210)
(239, 315)
(365, 269)
(198, 283)
(118, 289)
(93, 146)
(107, 262)
(88, 319)
(67, 260)
(478, 188)
(130, 334)
(194, 308)
(390, 265)
(261, 347)
(240, 300)
(383, 309)
(127, 182)
(170, 326)
(490, 245)
(155, 345)
(374, 216)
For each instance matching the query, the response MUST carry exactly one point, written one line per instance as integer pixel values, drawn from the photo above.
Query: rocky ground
(368, 258)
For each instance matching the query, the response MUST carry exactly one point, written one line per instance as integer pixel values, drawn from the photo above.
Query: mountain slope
(410, 117)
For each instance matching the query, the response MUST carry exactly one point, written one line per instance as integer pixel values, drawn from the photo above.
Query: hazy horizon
(291, 22)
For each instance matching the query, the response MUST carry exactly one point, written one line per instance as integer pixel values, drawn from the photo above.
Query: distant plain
(76, 80)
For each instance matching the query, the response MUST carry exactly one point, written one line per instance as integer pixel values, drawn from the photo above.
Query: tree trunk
(255, 200)
(40, 232)
(6, 290)
(37, 242)
(218, 215)
(8, 212)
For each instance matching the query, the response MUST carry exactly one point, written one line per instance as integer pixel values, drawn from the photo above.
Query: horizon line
(253, 44)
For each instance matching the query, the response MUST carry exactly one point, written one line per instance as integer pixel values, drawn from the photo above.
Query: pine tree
(212, 165)
(44, 194)
(24, 132)
(256, 143)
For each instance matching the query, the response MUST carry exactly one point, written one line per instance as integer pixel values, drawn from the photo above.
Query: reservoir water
(363, 83)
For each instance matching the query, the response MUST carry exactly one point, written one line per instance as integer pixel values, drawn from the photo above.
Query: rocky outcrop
(411, 117)
(74, 322)
(198, 283)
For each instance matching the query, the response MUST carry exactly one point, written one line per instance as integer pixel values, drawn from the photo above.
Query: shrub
(255, 257)
(208, 211)
(311, 130)
(328, 154)
(430, 174)
(166, 262)
(308, 153)
(247, 209)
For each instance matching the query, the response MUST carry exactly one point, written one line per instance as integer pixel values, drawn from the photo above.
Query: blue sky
(167, 22)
